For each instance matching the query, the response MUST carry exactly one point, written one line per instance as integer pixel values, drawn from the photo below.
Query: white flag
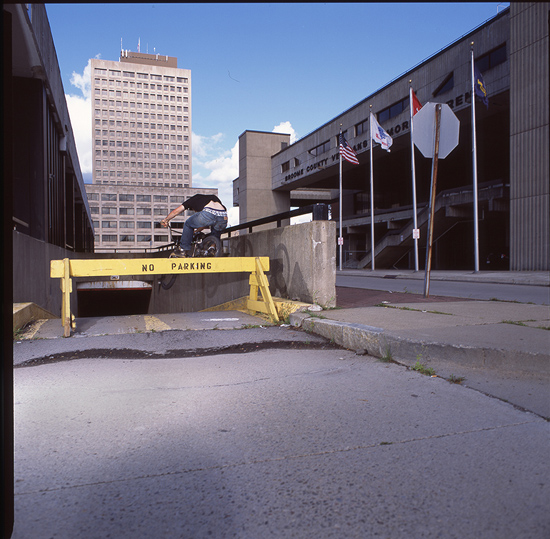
(379, 135)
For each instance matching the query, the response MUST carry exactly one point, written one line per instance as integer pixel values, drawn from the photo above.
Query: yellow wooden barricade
(66, 269)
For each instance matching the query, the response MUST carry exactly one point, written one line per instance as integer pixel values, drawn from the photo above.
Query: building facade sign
(457, 102)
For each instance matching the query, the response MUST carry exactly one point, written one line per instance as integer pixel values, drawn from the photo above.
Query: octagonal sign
(424, 130)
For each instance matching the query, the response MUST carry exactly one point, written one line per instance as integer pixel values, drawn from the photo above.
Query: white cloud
(286, 127)
(84, 82)
(203, 146)
(216, 167)
(80, 112)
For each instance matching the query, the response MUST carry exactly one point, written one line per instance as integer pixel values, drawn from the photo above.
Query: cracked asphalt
(294, 438)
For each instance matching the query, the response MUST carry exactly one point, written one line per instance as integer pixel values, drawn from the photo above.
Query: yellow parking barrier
(66, 269)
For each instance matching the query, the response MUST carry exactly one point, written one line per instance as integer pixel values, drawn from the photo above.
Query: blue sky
(265, 67)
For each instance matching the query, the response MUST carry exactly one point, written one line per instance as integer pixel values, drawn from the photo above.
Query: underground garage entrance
(113, 298)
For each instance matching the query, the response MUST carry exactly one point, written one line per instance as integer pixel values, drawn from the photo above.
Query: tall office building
(141, 125)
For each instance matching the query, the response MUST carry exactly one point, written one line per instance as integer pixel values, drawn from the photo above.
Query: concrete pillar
(256, 197)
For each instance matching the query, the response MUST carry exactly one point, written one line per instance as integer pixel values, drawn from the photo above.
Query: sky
(282, 67)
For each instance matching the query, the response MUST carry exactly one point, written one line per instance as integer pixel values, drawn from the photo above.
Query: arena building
(511, 51)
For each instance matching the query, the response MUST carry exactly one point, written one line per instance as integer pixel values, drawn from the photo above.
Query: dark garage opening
(112, 300)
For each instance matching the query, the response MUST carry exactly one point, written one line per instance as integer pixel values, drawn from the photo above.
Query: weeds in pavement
(455, 379)
(409, 309)
(387, 357)
(523, 324)
(422, 369)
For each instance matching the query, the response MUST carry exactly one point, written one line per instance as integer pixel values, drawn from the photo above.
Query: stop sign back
(424, 130)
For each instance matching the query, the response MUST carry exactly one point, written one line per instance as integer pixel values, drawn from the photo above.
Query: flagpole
(340, 241)
(371, 198)
(413, 180)
(474, 161)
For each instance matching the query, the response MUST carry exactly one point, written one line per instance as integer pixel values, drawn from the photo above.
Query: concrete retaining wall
(302, 268)
(31, 273)
(302, 258)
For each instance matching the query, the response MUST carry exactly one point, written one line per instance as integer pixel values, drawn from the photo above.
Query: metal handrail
(319, 213)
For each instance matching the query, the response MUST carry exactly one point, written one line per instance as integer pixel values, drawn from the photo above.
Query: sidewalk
(538, 278)
(499, 347)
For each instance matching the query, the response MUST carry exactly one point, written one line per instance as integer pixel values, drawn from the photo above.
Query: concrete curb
(380, 343)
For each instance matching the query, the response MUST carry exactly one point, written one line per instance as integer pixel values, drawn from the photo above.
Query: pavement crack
(137, 354)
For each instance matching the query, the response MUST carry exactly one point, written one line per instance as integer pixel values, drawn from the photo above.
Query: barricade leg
(258, 280)
(66, 289)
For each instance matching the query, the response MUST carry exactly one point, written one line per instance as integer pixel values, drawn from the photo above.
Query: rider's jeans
(216, 223)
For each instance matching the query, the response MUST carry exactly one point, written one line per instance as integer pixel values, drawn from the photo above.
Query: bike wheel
(211, 246)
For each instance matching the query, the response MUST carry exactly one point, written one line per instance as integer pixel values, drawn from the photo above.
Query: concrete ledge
(23, 313)
(379, 343)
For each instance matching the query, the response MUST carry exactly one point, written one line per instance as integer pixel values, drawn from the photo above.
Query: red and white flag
(416, 106)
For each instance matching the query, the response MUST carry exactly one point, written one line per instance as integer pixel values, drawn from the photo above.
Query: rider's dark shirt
(198, 202)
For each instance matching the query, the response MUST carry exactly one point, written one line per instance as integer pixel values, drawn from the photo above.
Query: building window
(127, 238)
(322, 148)
(161, 238)
(160, 198)
(108, 197)
(143, 198)
(393, 110)
(108, 224)
(491, 59)
(143, 238)
(143, 211)
(93, 196)
(285, 167)
(361, 128)
(127, 224)
(108, 211)
(144, 224)
(447, 85)
(108, 237)
(126, 211)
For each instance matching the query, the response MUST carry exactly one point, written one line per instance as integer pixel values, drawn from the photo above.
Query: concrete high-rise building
(141, 132)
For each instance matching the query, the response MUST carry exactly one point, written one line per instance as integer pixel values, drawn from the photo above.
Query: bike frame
(197, 237)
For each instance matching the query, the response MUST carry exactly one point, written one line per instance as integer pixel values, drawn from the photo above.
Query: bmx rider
(211, 213)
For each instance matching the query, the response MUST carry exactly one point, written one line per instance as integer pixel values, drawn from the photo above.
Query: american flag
(346, 151)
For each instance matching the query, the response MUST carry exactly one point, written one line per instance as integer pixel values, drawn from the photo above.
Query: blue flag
(480, 89)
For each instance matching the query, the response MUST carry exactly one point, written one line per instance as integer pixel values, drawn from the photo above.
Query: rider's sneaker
(180, 253)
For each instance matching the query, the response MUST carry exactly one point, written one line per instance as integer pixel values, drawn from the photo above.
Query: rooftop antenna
(121, 44)
(139, 42)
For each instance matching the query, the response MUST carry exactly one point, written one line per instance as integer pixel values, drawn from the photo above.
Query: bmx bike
(202, 246)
